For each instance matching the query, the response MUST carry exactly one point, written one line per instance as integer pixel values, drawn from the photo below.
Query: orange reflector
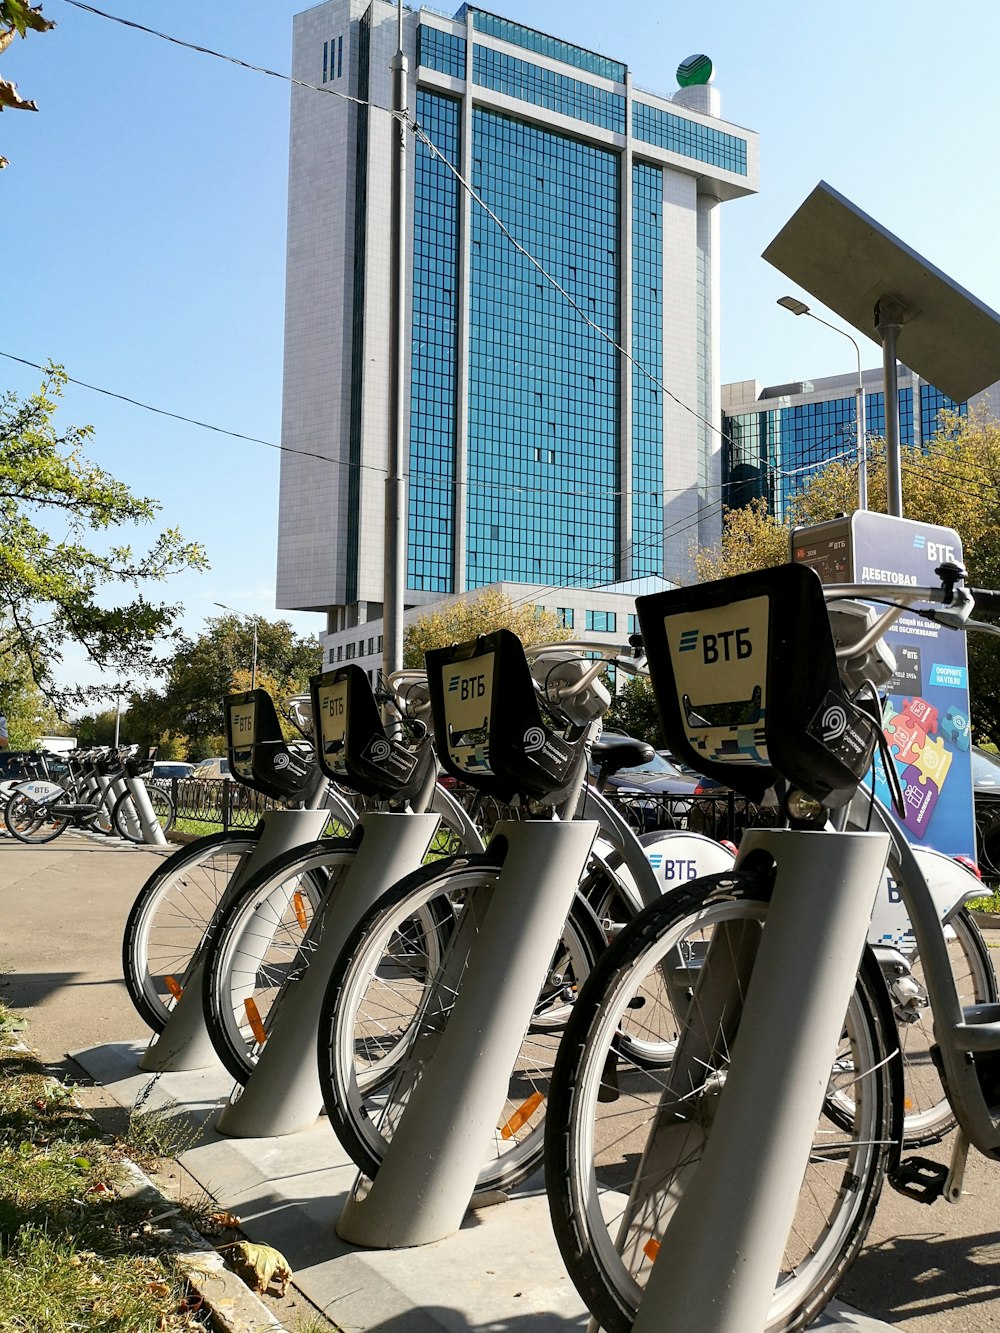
(254, 1019)
(651, 1249)
(174, 987)
(521, 1116)
(300, 909)
(908, 1104)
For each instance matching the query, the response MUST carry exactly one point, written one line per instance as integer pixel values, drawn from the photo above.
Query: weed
(160, 1131)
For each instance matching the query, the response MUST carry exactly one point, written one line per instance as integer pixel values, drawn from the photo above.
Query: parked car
(654, 794)
(171, 768)
(986, 797)
(216, 767)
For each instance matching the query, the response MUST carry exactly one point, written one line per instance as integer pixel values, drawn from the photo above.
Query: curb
(233, 1306)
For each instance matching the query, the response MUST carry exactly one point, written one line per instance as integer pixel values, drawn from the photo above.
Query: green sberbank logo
(694, 70)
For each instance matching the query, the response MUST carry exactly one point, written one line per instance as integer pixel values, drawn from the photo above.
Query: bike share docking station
(257, 752)
(745, 1199)
(282, 1094)
(490, 734)
(774, 709)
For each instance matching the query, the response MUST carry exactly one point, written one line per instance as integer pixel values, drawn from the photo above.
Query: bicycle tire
(125, 815)
(31, 822)
(169, 917)
(599, 1101)
(380, 1000)
(259, 945)
(927, 1112)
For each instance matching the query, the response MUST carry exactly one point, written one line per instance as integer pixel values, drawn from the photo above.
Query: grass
(989, 902)
(80, 1250)
(78, 1253)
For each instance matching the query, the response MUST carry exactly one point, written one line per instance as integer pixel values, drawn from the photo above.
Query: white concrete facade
(331, 506)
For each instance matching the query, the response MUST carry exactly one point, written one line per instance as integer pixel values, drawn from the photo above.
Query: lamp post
(800, 308)
(253, 622)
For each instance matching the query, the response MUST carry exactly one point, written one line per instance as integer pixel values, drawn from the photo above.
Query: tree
(751, 539)
(466, 618)
(215, 664)
(952, 482)
(53, 591)
(634, 712)
(16, 18)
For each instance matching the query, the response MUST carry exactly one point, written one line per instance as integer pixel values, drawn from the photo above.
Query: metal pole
(253, 664)
(394, 570)
(798, 307)
(889, 313)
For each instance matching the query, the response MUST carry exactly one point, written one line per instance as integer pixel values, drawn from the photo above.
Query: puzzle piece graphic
(923, 713)
(933, 762)
(956, 728)
(920, 796)
(906, 737)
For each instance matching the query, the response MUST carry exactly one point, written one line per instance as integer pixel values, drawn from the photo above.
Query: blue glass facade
(932, 403)
(647, 349)
(679, 135)
(440, 50)
(543, 87)
(543, 450)
(774, 453)
(517, 35)
(431, 523)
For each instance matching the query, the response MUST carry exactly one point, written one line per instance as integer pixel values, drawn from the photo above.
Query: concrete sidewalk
(62, 909)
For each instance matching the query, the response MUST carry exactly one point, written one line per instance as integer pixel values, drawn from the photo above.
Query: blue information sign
(926, 718)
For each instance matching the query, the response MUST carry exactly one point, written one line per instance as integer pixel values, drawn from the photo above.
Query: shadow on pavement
(925, 1274)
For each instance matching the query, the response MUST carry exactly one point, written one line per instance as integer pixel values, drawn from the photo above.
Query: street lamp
(253, 621)
(800, 308)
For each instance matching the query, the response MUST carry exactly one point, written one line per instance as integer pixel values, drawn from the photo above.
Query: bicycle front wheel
(263, 942)
(169, 919)
(395, 984)
(609, 1217)
(29, 821)
(125, 815)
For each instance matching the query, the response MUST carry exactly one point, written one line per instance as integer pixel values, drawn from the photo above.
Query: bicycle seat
(488, 727)
(352, 744)
(745, 676)
(259, 756)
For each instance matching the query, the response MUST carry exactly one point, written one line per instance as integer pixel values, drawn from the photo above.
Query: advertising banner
(926, 715)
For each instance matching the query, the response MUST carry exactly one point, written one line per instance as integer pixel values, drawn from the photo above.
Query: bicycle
(264, 939)
(127, 812)
(173, 912)
(523, 737)
(610, 1209)
(40, 810)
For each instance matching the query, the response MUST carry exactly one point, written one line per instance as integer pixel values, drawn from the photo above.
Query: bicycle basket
(351, 742)
(746, 683)
(488, 727)
(259, 756)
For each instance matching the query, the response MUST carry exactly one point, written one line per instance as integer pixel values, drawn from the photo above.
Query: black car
(986, 795)
(654, 794)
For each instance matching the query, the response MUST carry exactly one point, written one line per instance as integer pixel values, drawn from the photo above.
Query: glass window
(544, 87)
(442, 51)
(602, 622)
(565, 614)
(349, 652)
(518, 35)
(690, 138)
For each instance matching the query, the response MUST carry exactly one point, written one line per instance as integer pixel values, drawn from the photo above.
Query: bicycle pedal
(920, 1179)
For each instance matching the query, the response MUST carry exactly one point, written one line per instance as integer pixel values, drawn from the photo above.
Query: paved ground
(62, 907)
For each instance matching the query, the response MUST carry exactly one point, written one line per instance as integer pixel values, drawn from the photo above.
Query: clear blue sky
(144, 213)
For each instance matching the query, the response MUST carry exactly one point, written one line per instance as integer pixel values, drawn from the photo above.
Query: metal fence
(221, 801)
(722, 815)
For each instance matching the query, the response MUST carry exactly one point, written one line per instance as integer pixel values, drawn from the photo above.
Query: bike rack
(752, 1168)
(283, 1095)
(184, 1042)
(429, 1171)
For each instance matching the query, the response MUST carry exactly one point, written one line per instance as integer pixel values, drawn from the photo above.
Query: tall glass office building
(558, 218)
(777, 438)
